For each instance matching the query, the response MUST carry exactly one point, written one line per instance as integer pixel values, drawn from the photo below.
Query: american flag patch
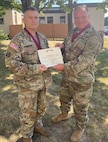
(13, 45)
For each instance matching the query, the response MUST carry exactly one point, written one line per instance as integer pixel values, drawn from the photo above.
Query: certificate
(50, 56)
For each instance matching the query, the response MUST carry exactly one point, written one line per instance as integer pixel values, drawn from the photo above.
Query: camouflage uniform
(22, 59)
(78, 76)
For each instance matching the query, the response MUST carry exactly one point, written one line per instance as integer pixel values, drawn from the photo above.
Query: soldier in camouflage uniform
(22, 59)
(80, 49)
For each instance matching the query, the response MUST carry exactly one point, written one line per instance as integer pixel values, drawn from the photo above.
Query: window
(62, 19)
(15, 16)
(42, 20)
(49, 20)
(1, 20)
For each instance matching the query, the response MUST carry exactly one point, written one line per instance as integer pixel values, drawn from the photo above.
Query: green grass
(97, 129)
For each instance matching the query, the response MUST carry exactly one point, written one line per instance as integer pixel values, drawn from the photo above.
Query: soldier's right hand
(60, 45)
(42, 68)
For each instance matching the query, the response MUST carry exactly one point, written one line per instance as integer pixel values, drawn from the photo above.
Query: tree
(8, 4)
(2, 11)
(39, 4)
(104, 6)
(43, 4)
(25, 4)
(70, 16)
(3, 36)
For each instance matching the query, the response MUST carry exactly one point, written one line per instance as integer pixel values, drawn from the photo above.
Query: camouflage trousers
(32, 106)
(79, 95)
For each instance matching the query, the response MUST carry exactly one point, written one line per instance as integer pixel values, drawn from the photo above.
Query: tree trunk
(37, 2)
(25, 4)
(70, 16)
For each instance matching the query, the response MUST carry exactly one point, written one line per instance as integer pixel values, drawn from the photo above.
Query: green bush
(3, 36)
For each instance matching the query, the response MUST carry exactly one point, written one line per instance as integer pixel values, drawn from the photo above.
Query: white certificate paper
(50, 56)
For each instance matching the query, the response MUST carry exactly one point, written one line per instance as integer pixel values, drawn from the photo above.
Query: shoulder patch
(13, 45)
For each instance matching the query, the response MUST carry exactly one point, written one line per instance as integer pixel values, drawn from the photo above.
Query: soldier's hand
(42, 68)
(59, 45)
(59, 67)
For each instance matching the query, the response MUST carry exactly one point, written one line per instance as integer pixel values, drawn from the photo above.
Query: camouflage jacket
(80, 55)
(22, 59)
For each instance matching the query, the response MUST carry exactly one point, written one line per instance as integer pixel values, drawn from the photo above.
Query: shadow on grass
(9, 111)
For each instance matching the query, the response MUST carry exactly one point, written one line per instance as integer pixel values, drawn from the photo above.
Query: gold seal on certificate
(50, 56)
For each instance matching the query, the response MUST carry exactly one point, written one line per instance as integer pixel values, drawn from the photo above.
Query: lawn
(97, 129)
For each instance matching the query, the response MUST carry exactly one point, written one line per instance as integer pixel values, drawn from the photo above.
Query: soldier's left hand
(42, 68)
(59, 67)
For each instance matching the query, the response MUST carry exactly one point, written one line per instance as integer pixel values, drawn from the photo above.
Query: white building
(11, 17)
(57, 16)
(52, 16)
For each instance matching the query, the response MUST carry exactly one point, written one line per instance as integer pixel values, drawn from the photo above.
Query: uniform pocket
(29, 54)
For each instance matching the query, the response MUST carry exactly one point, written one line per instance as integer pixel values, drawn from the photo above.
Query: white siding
(97, 18)
(9, 19)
